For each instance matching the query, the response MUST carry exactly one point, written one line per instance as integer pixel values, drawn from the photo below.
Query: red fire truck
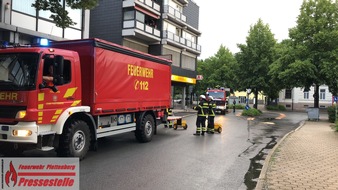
(98, 89)
(220, 98)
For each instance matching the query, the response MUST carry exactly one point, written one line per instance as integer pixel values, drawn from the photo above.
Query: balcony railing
(175, 13)
(182, 41)
(134, 24)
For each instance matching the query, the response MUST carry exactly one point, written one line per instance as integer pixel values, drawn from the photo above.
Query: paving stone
(305, 159)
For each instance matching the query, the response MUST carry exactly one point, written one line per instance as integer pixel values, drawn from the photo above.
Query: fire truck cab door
(52, 103)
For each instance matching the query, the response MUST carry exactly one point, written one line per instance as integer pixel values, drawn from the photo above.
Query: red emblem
(11, 175)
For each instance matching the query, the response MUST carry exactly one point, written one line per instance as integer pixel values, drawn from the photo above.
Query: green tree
(279, 78)
(254, 59)
(217, 70)
(312, 56)
(58, 12)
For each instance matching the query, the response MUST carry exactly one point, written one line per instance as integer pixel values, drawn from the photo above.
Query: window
(288, 93)
(45, 14)
(322, 94)
(189, 36)
(18, 71)
(76, 15)
(140, 16)
(24, 6)
(66, 70)
(129, 15)
(306, 95)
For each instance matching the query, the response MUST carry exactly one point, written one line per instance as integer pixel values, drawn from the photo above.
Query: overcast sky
(227, 22)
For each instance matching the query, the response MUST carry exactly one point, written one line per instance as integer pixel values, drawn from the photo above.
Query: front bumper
(7, 132)
(221, 108)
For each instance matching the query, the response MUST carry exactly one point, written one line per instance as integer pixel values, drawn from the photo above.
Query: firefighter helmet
(211, 98)
(202, 96)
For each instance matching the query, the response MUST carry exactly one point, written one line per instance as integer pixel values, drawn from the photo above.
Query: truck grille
(9, 112)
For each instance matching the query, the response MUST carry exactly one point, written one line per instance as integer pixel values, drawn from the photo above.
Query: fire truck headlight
(21, 114)
(22, 133)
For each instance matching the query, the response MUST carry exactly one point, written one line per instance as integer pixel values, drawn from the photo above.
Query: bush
(238, 106)
(331, 111)
(276, 107)
(252, 112)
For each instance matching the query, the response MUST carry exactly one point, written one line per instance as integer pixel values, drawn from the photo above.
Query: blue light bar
(44, 42)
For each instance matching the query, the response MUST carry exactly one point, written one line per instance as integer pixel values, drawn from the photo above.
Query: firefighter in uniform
(202, 111)
(169, 123)
(211, 115)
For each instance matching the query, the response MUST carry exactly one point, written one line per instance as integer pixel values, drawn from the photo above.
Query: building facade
(298, 99)
(21, 23)
(167, 28)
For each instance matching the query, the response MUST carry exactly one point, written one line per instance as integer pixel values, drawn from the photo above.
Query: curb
(262, 176)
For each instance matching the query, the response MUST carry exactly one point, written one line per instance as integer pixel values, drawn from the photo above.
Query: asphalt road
(176, 159)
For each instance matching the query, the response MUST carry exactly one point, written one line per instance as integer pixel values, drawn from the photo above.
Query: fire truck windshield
(217, 94)
(18, 71)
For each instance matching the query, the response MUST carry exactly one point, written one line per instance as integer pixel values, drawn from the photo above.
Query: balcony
(173, 39)
(174, 15)
(139, 30)
(148, 5)
(183, 2)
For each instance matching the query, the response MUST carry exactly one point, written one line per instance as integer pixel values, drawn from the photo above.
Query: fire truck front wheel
(75, 140)
(145, 132)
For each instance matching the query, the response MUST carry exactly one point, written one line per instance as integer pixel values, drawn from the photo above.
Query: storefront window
(24, 6)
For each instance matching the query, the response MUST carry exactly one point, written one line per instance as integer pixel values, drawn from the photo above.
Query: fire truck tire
(146, 130)
(75, 140)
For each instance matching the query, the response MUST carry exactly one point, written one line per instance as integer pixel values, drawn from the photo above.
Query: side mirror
(44, 85)
(54, 89)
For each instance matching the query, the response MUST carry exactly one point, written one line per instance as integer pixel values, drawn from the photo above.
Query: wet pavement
(256, 164)
(304, 159)
(264, 132)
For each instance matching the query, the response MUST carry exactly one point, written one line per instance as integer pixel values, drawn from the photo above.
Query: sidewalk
(306, 158)
(184, 112)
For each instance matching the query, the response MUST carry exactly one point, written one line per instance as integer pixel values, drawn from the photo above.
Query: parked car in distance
(178, 101)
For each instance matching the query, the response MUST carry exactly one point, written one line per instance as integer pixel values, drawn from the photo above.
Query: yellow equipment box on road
(178, 122)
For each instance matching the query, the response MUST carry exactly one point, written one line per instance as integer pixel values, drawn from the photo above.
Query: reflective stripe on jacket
(202, 108)
(169, 111)
(212, 108)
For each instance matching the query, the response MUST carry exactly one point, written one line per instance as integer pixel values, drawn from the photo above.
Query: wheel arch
(80, 113)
